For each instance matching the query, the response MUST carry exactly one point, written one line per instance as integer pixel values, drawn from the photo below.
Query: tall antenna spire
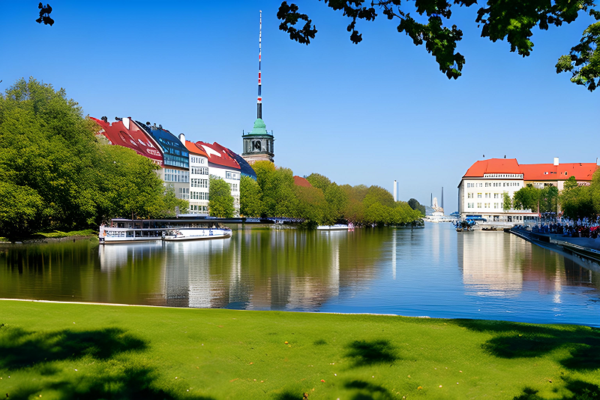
(259, 99)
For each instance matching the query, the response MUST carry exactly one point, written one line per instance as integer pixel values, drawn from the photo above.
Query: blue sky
(367, 113)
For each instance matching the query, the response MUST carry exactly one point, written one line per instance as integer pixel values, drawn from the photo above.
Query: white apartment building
(223, 166)
(199, 174)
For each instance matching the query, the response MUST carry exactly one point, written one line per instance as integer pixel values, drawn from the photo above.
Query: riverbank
(54, 236)
(581, 246)
(97, 351)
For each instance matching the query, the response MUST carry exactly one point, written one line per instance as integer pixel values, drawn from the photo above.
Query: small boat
(181, 234)
(336, 227)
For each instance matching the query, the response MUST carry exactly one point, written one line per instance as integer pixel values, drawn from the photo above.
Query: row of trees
(574, 201)
(55, 174)
(274, 194)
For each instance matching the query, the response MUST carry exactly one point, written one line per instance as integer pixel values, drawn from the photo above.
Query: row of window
(201, 183)
(194, 208)
(199, 170)
(234, 187)
(487, 195)
(197, 160)
(232, 175)
(175, 175)
(199, 195)
(503, 175)
(493, 184)
(183, 193)
(485, 205)
(176, 161)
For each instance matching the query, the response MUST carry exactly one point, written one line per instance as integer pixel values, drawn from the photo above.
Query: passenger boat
(336, 227)
(180, 234)
(123, 230)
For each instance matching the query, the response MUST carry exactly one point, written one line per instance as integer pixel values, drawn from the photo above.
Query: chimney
(395, 190)
(182, 138)
(555, 160)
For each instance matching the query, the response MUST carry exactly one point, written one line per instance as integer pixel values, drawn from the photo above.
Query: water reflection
(433, 271)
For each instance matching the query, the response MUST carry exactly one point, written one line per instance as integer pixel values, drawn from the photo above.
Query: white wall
(232, 177)
(199, 184)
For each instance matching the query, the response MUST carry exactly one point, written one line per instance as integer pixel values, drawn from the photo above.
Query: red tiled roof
(133, 138)
(299, 181)
(494, 166)
(532, 172)
(218, 155)
(551, 172)
(193, 149)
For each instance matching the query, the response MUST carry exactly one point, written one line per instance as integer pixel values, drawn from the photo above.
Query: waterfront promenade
(583, 246)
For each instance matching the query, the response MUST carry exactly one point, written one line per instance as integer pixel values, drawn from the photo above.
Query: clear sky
(367, 113)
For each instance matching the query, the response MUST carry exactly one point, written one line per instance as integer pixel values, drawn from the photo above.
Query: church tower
(258, 143)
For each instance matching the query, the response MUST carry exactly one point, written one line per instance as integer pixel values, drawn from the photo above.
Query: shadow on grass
(367, 391)
(513, 340)
(21, 348)
(41, 356)
(580, 390)
(364, 353)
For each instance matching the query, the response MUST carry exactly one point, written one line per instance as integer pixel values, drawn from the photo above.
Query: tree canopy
(426, 22)
(55, 174)
(250, 198)
(220, 203)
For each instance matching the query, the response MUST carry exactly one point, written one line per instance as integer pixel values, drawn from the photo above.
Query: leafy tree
(548, 199)
(584, 60)
(311, 205)
(220, 202)
(513, 21)
(354, 211)
(526, 198)
(377, 194)
(415, 205)
(250, 198)
(337, 199)
(506, 201)
(319, 181)
(579, 201)
(55, 174)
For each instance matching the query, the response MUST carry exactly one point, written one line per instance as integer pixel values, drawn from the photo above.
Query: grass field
(69, 351)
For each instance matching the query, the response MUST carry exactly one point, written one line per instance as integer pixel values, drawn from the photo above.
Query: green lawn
(64, 351)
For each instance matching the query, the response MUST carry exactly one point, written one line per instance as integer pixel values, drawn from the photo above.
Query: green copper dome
(260, 128)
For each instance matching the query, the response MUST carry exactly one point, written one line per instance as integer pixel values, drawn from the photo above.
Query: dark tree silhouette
(426, 22)
(45, 15)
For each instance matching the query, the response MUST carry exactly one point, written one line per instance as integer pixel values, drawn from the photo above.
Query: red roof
(193, 149)
(551, 172)
(133, 138)
(218, 155)
(494, 166)
(532, 172)
(299, 181)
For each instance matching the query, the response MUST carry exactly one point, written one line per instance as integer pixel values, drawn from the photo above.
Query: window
(469, 195)
(478, 195)
(478, 205)
(200, 183)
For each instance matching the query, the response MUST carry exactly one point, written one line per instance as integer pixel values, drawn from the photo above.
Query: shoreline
(48, 240)
(564, 245)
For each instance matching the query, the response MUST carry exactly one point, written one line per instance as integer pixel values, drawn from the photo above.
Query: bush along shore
(54, 236)
(68, 351)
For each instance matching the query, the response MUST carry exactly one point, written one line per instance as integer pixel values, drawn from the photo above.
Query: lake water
(434, 272)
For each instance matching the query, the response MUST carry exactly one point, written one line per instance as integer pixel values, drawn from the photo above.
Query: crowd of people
(585, 227)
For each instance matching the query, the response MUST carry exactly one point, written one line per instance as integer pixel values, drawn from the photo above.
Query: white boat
(336, 227)
(181, 234)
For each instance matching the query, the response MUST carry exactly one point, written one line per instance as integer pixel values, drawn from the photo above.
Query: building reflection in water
(257, 269)
(504, 265)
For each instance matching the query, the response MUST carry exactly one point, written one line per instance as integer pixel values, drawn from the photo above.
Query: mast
(259, 99)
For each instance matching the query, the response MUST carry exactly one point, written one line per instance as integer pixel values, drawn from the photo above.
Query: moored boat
(336, 227)
(181, 234)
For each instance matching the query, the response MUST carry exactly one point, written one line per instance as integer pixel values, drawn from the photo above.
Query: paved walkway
(580, 241)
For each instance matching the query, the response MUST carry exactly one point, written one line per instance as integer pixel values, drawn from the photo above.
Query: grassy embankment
(62, 351)
(56, 235)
